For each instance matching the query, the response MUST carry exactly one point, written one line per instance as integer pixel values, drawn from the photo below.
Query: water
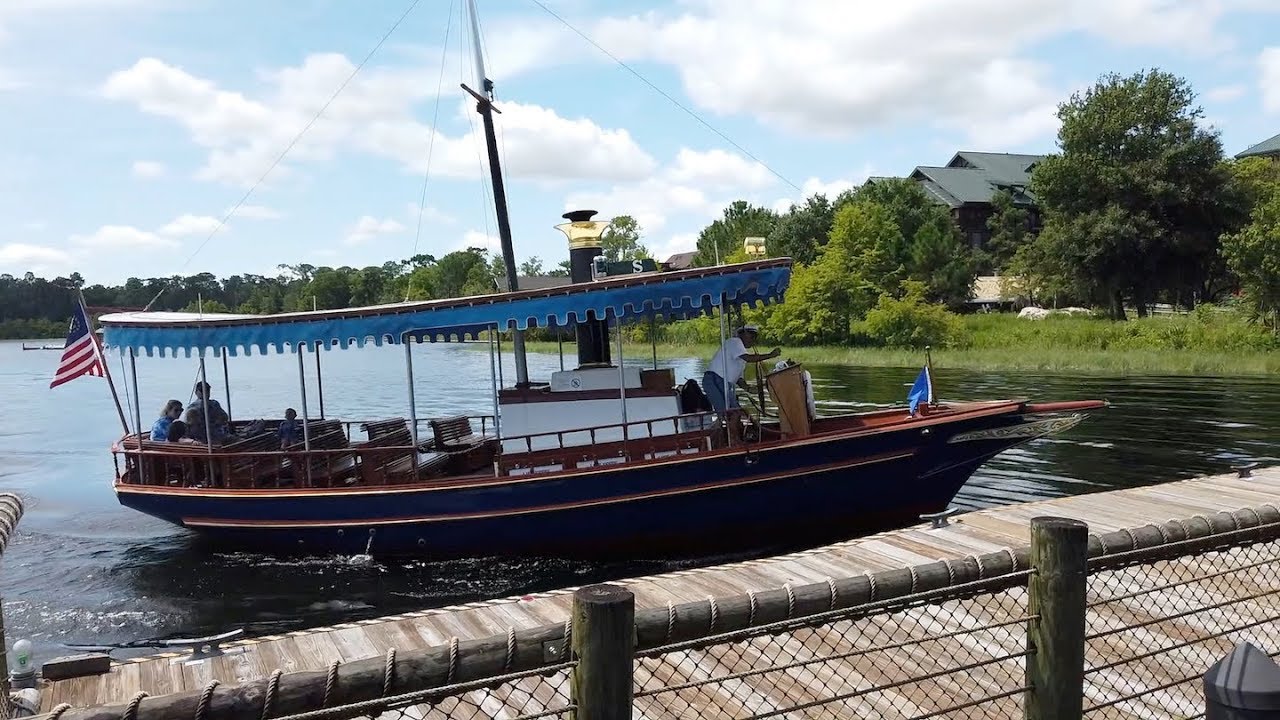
(82, 569)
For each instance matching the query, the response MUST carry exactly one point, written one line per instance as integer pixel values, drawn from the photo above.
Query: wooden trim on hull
(197, 523)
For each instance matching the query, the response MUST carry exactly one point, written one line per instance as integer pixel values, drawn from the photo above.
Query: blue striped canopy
(676, 295)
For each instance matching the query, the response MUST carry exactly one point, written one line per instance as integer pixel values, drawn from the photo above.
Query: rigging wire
(431, 144)
(279, 158)
(664, 94)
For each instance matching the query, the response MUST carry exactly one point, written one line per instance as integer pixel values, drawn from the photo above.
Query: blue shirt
(160, 430)
(289, 432)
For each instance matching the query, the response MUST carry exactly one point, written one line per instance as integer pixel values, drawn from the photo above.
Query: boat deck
(976, 532)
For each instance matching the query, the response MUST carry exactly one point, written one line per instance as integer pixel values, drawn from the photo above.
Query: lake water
(82, 569)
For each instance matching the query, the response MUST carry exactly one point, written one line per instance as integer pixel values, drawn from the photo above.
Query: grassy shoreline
(1071, 360)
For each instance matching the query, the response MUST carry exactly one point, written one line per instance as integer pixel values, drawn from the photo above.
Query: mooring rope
(273, 687)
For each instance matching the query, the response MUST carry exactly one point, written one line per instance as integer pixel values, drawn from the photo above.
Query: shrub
(911, 322)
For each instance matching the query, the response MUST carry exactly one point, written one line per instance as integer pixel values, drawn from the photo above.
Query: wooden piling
(1056, 602)
(603, 644)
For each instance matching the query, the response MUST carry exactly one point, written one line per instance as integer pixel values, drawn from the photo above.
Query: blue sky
(131, 127)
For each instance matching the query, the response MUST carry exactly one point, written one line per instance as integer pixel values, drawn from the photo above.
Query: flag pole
(106, 370)
(928, 364)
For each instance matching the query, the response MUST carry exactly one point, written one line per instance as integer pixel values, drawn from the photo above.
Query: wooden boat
(603, 461)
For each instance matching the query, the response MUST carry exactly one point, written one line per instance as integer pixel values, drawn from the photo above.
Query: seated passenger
(219, 424)
(178, 433)
(290, 430)
(160, 429)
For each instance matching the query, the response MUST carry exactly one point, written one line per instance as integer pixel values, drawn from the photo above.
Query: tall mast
(484, 106)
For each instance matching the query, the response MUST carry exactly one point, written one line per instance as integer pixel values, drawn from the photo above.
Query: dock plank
(972, 533)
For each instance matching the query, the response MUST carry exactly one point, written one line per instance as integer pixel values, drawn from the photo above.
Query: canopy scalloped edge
(673, 295)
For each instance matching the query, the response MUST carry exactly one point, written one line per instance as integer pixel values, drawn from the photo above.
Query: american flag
(81, 355)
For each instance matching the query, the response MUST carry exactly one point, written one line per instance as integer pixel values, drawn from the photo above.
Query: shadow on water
(84, 570)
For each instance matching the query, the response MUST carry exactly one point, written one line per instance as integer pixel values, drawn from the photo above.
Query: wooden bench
(247, 471)
(390, 459)
(378, 428)
(468, 452)
(324, 468)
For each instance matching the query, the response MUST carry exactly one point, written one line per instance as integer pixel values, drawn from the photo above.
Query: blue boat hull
(787, 494)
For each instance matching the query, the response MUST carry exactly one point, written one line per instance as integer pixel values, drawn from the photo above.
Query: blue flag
(921, 390)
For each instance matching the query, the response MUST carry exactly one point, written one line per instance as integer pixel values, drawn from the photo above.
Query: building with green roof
(1267, 149)
(969, 182)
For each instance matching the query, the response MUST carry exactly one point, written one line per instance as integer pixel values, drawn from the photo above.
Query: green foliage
(1134, 202)
(911, 322)
(32, 329)
(1009, 226)
(723, 237)
(802, 231)
(621, 240)
(1253, 254)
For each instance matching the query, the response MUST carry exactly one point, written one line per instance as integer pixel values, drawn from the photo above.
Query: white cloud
(430, 214)
(1226, 93)
(1269, 79)
(188, 225)
(369, 227)
(478, 239)
(148, 169)
(255, 212)
(672, 244)
(796, 67)
(121, 237)
(19, 258)
(375, 113)
(718, 169)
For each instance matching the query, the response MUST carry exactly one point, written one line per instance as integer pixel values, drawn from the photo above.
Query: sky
(146, 138)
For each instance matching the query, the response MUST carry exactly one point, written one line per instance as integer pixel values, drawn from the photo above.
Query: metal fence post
(1055, 637)
(603, 641)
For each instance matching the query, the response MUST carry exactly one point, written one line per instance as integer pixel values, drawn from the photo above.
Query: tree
(1009, 226)
(560, 270)
(1136, 194)
(721, 238)
(803, 230)
(1253, 253)
(530, 267)
(941, 261)
(621, 240)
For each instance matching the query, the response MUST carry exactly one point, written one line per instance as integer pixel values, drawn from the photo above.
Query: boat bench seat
(468, 451)
(326, 467)
(246, 471)
(378, 428)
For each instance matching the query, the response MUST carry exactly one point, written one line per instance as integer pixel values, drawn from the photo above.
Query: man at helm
(727, 367)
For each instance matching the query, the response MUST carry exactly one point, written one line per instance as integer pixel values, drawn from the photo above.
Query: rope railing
(908, 594)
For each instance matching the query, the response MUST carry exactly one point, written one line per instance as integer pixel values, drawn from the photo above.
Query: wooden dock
(973, 533)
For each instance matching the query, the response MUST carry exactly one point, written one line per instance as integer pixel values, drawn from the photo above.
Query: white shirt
(728, 362)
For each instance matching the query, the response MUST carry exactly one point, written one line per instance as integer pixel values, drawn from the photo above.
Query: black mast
(484, 106)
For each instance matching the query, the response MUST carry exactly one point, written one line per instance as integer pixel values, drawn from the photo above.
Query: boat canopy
(676, 295)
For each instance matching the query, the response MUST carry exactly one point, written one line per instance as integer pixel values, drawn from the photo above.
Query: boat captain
(727, 368)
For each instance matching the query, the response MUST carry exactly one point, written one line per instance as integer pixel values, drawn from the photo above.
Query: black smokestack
(592, 335)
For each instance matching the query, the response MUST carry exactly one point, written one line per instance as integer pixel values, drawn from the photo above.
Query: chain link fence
(1154, 626)
(959, 657)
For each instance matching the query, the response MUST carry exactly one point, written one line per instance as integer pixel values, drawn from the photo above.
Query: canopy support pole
(493, 380)
(306, 417)
(622, 380)
(226, 382)
(413, 403)
(653, 338)
(204, 407)
(137, 416)
(724, 337)
(560, 339)
(319, 382)
(497, 334)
